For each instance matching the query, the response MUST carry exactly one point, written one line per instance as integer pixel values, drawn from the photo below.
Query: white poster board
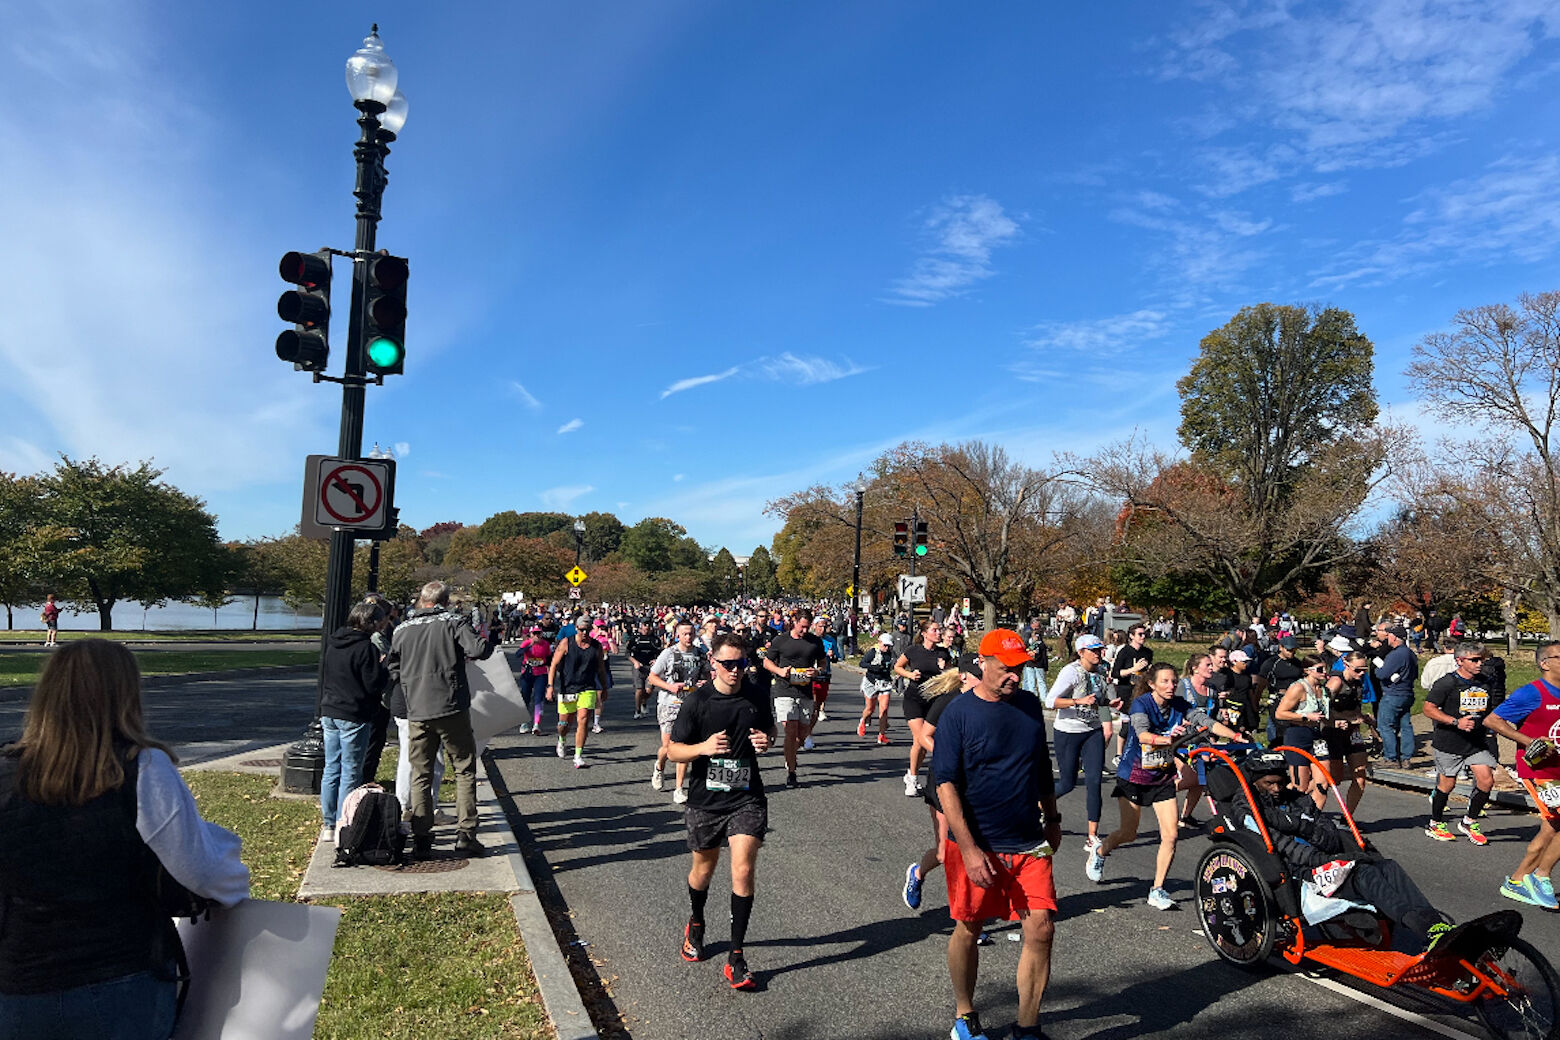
(257, 971)
(496, 703)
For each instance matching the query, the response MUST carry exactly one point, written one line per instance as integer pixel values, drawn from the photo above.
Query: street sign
(576, 576)
(356, 495)
(912, 590)
(850, 590)
(574, 593)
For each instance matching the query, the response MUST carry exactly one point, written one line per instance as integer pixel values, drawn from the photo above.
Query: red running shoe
(693, 943)
(738, 975)
(861, 729)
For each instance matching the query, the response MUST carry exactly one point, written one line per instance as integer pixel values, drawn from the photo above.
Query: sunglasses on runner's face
(732, 664)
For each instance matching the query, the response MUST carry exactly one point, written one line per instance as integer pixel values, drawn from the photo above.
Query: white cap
(1239, 655)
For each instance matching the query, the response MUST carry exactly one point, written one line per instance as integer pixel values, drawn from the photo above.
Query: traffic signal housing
(901, 538)
(920, 538)
(307, 343)
(384, 315)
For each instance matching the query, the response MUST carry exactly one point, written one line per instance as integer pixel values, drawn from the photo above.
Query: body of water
(178, 617)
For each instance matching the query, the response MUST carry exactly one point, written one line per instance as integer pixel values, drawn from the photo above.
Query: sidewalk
(501, 870)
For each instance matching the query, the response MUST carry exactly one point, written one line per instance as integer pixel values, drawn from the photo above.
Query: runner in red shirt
(1531, 717)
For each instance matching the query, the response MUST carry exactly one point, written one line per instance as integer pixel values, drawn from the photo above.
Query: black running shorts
(709, 829)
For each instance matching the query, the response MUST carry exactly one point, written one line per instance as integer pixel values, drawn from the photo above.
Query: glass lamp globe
(371, 75)
(394, 116)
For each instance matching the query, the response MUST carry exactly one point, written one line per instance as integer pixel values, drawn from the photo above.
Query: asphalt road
(838, 953)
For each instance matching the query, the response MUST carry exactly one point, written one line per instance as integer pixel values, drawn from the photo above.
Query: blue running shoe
(1533, 890)
(912, 891)
(967, 1027)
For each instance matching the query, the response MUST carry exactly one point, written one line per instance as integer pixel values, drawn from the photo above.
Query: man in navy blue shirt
(992, 767)
(1395, 672)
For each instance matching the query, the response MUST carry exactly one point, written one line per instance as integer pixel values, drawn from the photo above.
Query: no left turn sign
(351, 494)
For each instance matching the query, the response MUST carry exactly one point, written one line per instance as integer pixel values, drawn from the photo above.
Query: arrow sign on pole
(912, 590)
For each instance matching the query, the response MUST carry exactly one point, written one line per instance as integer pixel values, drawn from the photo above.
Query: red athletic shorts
(1023, 883)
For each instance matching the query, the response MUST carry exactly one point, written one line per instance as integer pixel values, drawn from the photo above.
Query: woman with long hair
(94, 818)
(352, 681)
(1147, 773)
(938, 692)
(1303, 712)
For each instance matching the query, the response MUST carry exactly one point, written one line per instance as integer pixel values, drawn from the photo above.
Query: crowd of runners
(726, 685)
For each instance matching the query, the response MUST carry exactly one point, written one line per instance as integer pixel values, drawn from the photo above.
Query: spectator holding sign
(95, 822)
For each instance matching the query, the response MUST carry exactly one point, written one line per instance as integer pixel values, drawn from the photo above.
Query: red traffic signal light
(307, 344)
(901, 538)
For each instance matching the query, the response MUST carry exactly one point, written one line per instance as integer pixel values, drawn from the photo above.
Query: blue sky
(680, 258)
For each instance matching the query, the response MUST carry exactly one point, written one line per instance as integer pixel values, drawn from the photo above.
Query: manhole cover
(262, 763)
(429, 866)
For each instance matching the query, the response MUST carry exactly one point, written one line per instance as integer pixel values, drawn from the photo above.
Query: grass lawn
(226, 635)
(19, 669)
(413, 966)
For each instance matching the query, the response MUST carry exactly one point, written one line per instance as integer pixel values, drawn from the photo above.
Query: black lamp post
(371, 79)
(860, 488)
(579, 540)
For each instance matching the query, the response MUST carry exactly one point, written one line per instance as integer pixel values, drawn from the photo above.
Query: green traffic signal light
(920, 550)
(385, 354)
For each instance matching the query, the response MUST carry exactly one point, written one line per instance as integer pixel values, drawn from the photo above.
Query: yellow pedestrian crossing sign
(576, 576)
(850, 590)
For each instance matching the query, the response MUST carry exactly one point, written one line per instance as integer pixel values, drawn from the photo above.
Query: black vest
(78, 901)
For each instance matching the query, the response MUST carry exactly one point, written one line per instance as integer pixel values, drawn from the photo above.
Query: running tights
(1087, 750)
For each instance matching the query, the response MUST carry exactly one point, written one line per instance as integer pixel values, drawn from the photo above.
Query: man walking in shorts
(992, 767)
(576, 677)
(642, 651)
(722, 728)
(795, 658)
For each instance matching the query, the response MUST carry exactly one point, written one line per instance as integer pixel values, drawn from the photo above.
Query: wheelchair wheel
(1236, 907)
(1533, 1011)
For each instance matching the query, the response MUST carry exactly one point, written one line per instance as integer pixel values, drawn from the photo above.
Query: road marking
(1423, 1021)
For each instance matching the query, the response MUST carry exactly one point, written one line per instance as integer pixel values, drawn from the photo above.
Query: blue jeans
(1395, 720)
(136, 1007)
(1073, 750)
(346, 746)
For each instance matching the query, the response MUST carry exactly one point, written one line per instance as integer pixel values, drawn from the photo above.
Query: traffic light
(307, 344)
(920, 537)
(901, 538)
(384, 315)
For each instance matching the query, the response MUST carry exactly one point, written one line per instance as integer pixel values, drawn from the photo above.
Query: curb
(157, 682)
(1406, 781)
(554, 980)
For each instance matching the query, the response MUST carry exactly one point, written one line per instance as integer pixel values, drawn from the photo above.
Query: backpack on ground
(370, 829)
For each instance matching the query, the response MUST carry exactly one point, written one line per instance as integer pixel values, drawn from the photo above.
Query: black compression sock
(741, 910)
(696, 902)
(1438, 804)
(1476, 803)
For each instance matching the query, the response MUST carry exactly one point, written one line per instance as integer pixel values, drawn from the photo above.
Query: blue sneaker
(1533, 890)
(1095, 868)
(912, 891)
(967, 1027)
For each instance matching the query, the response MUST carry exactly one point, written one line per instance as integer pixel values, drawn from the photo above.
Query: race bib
(1549, 793)
(1329, 877)
(1356, 739)
(1319, 749)
(1475, 700)
(1156, 758)
(727, 774)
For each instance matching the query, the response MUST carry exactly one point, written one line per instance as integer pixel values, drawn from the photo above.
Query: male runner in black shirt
(643, 649)
(794, 659)
(721, 730)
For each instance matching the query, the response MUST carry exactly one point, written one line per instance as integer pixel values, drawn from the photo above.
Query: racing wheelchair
(1251, 905)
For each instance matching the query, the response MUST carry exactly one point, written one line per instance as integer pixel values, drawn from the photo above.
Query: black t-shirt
(645, 648)
(729, 782)
(1459, 698)
(928, 662)
(1281, 675)
(934, 710)
(789, 652)
(1126, 657)
(1236, 700)
(760, 675)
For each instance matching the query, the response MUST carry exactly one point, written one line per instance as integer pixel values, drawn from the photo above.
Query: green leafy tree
(654, 545)
(761, 573)
(603, 535)
(540, 525)
(21, 570)
(131, 537)
(499, 526)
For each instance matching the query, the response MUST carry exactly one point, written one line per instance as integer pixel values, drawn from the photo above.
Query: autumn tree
(1278, 421)
(1497, 372)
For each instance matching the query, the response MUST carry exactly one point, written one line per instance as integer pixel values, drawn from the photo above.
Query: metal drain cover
(429, 866)
(262, 763)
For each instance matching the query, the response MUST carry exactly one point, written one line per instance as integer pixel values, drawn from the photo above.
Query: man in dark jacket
(352, 680)
(428, 655)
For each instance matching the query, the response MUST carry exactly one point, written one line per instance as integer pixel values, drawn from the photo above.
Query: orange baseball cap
(1005, 645)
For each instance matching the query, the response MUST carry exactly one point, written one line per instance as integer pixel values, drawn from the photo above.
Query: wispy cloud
(1201, 247)
(564, 496)
(1512, 210)
(1308, 192)
(806, 371)
(693, 381)
(677, 477)
(962, 231)
(1351, 82)
(402, 449)
(1100, 336)
(526, 397)
(571, 425)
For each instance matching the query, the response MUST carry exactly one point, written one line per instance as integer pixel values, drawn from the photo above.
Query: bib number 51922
(727, 774)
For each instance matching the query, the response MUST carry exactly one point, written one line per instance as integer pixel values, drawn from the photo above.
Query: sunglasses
(732, 664)
(1473, 658)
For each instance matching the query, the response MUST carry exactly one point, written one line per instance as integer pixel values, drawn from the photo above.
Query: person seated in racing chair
(1315, 848)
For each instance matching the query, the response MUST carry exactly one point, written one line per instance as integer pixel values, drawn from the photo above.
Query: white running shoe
(596, 728)
(561, 752)
(524, 727)
(1095, 868)
(1091, 843)
(1159, 899)
(657, 779)
(823, 716)
(327, 835)
(679, 796)
(579, 762)
(911, 787)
